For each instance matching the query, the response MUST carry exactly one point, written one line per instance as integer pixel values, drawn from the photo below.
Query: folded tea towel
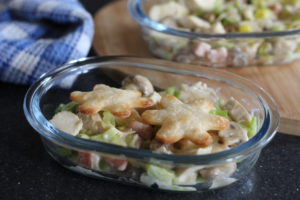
(40, 35)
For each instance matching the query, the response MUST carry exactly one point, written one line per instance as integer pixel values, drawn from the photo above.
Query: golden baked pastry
(119, 102)
(183, 121)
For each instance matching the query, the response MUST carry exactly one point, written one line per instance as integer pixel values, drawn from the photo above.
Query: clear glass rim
(136, 11)
(36, 119)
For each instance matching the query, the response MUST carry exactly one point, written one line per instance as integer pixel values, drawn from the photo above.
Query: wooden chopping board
(116, 33)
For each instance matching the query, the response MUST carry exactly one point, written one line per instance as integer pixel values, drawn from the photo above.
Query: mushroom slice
(185, 146)
(236, 111)
(155, 97)
(187, 175)
(218, 171)
(67, 122)
(139, 83)
(219, 174)
(234, 135)
(158, 147)
(218, 145)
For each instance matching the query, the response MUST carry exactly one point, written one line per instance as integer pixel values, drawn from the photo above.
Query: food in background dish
(219, 16)
(188, 120)
(226, 17)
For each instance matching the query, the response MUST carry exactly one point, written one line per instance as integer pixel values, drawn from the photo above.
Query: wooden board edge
(289, 126)
(98, 48)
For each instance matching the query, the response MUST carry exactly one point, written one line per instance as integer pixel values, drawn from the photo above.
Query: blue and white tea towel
(40, 35)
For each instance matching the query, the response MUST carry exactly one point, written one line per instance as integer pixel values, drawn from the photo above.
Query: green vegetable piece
(219, 112)
(133, 140)
(252, 127)
(59, 108)
(228, 21)
(109, 118)
(278, 28)
(258, 3)
(177, 94)
(298, 48)
(64, 152)
(264, 49)
(172, 91)
(111, 135)
(245, 28)
(237, 4)
(72, 106)
(226, 44)
(290, 2)
(267, 59)
(200, 179)
(103, 166)
(294, 24)
(161, 174)
(99, 138)
(263, 13)
(85, 132)
(83, 136)
(219, 6)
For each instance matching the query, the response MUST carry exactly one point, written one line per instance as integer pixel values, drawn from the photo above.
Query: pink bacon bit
(88, 160)
(145, 131)
(276, 8)
(202, 49)
(115, 163)
(218, 55)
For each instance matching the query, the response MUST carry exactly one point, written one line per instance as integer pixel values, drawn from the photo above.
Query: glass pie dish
(213, 48)
(144, 167)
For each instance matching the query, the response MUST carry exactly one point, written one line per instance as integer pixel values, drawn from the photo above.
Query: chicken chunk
(194, 22)
(67, 122)
(196, 92)
(169, 9)
(91, 122)
(207, 5)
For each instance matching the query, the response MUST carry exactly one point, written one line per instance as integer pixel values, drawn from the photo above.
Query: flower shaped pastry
(119, 102)
(184, 121)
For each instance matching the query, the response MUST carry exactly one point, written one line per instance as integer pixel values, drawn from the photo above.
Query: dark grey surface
(28, 172)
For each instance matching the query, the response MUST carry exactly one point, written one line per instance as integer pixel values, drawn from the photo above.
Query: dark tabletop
(28, 172)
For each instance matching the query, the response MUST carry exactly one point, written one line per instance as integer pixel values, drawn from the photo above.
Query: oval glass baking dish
(214, 49)
(143, 167)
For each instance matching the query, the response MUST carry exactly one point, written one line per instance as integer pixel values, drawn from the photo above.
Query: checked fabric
(37, 36)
